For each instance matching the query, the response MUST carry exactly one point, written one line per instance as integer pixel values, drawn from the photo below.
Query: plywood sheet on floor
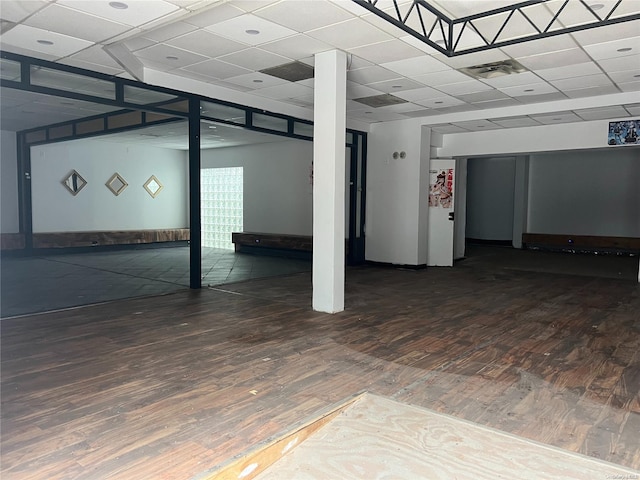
(378, 438)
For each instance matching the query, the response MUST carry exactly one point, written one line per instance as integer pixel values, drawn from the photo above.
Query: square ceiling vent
(383, 100)
(495, 69)
(293, 72)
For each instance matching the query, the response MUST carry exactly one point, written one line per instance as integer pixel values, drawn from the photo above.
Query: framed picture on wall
(625, 132)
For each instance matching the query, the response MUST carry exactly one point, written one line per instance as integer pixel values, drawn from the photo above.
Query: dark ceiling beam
(433, 24)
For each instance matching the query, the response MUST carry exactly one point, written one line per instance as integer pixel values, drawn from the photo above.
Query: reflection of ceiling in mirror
(116, 184)
(74, 182)
(153, 186)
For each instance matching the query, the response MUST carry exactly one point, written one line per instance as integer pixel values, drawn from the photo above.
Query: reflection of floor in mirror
(378, 438)
(43, 283)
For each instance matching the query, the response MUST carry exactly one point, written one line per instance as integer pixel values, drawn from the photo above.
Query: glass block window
(221, 201)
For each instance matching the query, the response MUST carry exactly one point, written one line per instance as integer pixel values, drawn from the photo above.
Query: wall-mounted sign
(625, 132)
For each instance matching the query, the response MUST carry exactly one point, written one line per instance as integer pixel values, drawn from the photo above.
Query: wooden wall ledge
(93, 239)
(11, 241)
(272, 240)
(582, 242)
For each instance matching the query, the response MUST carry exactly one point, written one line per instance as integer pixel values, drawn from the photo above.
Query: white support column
(329, 120)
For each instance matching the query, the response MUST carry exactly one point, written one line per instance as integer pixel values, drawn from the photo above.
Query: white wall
(95, 208)
(393, 223)
(277, 188)
(8, 183)
(490, 198)
(585, 193)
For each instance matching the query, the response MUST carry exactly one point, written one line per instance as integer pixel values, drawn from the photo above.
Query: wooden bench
(273, 244)
(582, 243)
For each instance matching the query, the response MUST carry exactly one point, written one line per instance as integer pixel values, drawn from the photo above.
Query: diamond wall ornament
(153, 186)
(74, 182)
(116, 184)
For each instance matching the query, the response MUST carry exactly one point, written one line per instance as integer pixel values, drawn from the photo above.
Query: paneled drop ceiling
(586, 75)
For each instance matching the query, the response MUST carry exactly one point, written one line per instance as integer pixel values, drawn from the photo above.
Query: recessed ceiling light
(171, 57)
(597, 6)
(625, 49)
(45, 42)
(252, 32)
(118, 5)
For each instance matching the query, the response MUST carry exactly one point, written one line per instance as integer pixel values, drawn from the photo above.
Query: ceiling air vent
(293, 72)
(383, 100)
(495, 69)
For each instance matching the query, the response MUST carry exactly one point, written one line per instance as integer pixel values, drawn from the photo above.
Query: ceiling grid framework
(579, 76)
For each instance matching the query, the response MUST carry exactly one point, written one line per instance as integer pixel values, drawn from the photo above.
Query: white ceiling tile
(360, 91)
(402, 108)
(137, 13)
(350, 34)
(382, 24)
(440, 102)
(169, 56)
(529, 90)
(17, 10)
(91, 66)
(307, 82)
(210, 80)
(395, 85)
(386, 51)
(217, 69)
(371, 75)
(633, 109)
(138, 43)
(304, 15)
(569, 71)
(591, 91)
(619, 48)
(464, 88)
(285, 90)
(412, 67)
(442, 78)
(550, 60)
(162, 34)
(472, 59)
(477, 125)
(485, 96)
(575, 83)
(524, 78)
(498, 103)
(206, 43)
(255, 80)
(608, 33)
(240, 28)
(543, 97)
(421, 113)
(620, 64)
(376, 115)
(419, 44)
(540, 46)
(252, 5)
(447, 128)
(211, 16)
(254, 59)
(351, 7)
(558, 117)
(296, 47)
(67, 21)
(464, 108)
(26, 38)
(602, 113)
(354, 63)
(98, 56)
(629, 86)
(422, 93)
(515, 122)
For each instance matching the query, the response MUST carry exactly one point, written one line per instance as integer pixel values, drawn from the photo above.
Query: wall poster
(441, 188)
(624, 132)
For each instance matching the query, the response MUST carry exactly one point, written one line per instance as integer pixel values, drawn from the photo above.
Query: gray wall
(585, 193)
(490, 194)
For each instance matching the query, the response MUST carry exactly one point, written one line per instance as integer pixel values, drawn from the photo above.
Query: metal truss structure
(508, 25)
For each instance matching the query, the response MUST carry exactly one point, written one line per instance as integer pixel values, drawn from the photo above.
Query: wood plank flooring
(169, 387)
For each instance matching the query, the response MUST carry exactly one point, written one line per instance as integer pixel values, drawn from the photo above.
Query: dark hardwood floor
(169, 387)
